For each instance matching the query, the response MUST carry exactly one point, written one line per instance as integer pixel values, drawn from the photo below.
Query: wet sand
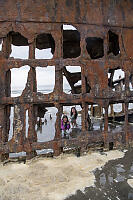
(63, 177)
(114, 181)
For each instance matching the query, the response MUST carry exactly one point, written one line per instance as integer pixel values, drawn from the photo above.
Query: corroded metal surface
(101, 44)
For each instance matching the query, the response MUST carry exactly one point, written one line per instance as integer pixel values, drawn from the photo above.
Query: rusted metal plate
(100, 44)
(108, 12)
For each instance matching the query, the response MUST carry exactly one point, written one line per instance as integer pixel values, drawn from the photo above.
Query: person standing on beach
(65, 124)
(73, 115)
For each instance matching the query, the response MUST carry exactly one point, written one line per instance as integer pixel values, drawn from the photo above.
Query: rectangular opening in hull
(45, 79)
(72, 80)
(45, 127)
(18, 80)
(45, 46)
(71, 121)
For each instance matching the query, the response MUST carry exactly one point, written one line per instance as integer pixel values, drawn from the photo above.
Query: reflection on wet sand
(114, 181)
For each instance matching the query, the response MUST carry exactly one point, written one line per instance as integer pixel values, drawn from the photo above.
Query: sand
(130, 182)
(51, 178)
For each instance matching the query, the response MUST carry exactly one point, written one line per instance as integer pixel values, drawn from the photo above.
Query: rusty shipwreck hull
(101, 44)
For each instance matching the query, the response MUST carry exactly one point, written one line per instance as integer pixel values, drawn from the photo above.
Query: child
(65, 124)
(74, 115)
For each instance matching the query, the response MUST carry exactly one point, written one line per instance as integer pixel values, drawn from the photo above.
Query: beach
(91, 176)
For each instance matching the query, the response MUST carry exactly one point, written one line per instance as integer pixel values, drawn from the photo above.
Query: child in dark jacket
(74, 115)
